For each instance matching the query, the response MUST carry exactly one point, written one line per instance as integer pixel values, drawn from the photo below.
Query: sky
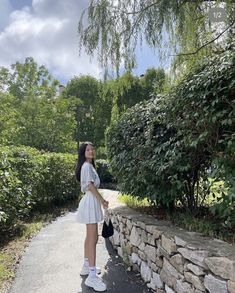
(47, 31)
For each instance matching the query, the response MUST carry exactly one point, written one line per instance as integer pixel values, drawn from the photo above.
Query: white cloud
(47, 31)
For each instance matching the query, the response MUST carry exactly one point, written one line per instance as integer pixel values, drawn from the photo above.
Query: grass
(12, 245)
(133, 202)
(5, 267)
(12, 248)
(203, 222)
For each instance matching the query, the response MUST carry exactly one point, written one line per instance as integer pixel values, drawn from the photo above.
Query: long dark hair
(82, 158)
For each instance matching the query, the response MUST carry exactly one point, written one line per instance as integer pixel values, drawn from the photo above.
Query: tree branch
(138, 11)
(206, 44)
(155, 3)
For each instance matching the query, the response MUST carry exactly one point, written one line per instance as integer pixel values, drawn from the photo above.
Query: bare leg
(90, 243)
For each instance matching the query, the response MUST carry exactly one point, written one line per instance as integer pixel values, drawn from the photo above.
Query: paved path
(52, 261)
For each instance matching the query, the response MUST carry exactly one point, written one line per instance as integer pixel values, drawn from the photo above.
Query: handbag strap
(106, 215)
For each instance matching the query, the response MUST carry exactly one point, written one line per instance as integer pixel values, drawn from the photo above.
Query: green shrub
(163, 148)
(224, 207)
(57, 183)
(101, 153)
(103, 169)
(14, 197)
(32, 180)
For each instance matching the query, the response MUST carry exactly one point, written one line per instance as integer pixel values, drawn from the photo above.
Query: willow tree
(187, 30)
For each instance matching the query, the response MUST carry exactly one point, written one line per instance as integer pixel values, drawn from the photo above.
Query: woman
(90, 213)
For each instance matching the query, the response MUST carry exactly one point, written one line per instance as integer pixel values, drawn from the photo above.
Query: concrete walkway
(52, 261)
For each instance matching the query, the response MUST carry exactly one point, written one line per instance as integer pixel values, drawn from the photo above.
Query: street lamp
(79, 107)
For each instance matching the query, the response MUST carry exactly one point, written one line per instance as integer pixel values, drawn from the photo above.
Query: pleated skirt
(89, 209)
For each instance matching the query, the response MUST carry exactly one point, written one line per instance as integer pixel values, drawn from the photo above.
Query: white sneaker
(85, 270)
(96, 283)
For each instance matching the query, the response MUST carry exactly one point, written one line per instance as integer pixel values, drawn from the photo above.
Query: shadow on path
(53, 259)
(117, 278)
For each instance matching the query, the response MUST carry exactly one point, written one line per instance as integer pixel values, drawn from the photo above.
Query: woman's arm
(93, 189)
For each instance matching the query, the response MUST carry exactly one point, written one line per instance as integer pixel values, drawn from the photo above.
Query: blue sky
(47, 31)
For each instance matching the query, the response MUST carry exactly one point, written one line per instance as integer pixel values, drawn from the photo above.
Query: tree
(128, 90)
(9, 116)
(153, 81)
(85, 89)
(115, 28)
(47, 124)
(31, 113)
(28, 80)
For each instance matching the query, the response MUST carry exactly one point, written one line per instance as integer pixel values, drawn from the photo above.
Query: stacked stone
(172, 260)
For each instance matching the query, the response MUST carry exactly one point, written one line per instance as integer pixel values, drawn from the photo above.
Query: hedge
(34, 180)
(167, 148)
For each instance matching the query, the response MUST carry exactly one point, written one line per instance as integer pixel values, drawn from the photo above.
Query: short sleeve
(87, 176)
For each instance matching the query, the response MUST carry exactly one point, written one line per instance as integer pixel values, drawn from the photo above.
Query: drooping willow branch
(207, 43)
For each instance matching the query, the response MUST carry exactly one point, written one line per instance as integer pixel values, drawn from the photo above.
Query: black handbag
(107, 230)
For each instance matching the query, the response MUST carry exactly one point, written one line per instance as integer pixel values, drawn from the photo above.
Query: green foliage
(153, 81)
(102, 103)
(28, 80)
(203, 222)
(14, 198)
(103, 169)
(101, 153)
(224, 208)
(115, 28)
(57, 183)
(128, 90)
(86, 89)
(161, 149)
(201, 108)
(48, 125)
(32, 180)
(137, 160)
(31, 113)
(102, 117)
(9, 115)
(132, 201)
(203, 105)
(45, 124)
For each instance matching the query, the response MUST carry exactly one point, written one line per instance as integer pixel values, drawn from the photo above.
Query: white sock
(92, 271)
(86, 262)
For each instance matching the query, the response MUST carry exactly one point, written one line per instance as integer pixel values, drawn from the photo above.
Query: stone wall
(171, 259)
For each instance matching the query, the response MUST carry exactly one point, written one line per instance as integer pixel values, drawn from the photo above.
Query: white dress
(89, 209)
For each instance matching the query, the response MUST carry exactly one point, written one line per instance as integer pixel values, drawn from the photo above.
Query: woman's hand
(105, 203)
